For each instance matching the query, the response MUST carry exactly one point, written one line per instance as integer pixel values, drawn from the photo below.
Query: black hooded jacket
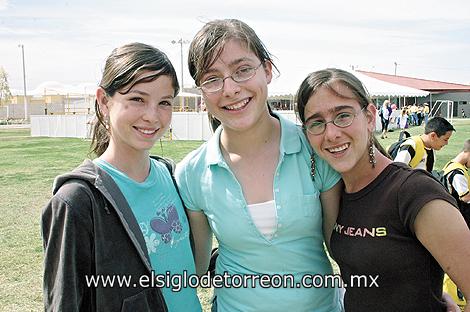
(88, 231)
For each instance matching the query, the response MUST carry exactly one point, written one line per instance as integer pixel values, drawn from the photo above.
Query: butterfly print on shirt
(165, 226)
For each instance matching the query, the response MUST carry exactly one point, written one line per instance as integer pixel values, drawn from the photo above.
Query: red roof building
(422, 84)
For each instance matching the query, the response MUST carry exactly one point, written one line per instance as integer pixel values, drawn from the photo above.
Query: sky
(68, 41)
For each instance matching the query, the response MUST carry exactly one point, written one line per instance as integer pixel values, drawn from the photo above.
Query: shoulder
(410, 141)
(193, 160)
(163, 164)
(74, 196)
(418, 183)
(409, 175)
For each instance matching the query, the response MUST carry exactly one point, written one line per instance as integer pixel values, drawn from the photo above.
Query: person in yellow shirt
(456, 173)
(418, 151)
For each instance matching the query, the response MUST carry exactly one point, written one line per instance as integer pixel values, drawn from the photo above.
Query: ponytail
(100, 139)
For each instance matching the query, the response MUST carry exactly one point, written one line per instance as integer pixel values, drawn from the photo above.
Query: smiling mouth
(338, 149)
(146, 132)
(238, 106)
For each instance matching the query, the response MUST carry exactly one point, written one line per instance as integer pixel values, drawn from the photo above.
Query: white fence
(65, 126)
(185, 125)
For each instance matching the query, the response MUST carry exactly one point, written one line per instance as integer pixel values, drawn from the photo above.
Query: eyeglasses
(216, 84)
(342, 120)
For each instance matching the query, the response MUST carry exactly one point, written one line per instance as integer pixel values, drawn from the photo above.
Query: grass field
(27, 168)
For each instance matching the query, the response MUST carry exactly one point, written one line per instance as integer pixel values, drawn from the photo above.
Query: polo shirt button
(278, 207)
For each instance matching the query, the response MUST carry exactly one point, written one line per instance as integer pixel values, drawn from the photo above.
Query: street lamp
(24, 84)
(181, 42)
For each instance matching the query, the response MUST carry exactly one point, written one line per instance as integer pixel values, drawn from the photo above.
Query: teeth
(338, 149)
(238, 105)
(146, 131)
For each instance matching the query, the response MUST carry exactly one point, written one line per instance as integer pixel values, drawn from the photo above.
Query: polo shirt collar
(290, 136)
(214, 154)
(290, 141)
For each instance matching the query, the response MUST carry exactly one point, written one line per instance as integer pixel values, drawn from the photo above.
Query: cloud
(3, 5)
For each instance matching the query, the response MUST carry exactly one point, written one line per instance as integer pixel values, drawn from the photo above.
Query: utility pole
(24, 84)
(181, 42)
(395, 67)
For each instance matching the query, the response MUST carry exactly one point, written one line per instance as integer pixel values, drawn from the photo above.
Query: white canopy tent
(379, 88)
(57, 88)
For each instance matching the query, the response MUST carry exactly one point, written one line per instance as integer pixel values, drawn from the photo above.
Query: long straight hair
(121, 71)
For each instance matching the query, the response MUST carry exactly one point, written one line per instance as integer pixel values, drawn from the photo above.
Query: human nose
(230, 87)
(152, 113)
(331, 131)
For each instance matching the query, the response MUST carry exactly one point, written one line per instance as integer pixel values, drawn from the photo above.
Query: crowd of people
(413, 115)
(274, 195)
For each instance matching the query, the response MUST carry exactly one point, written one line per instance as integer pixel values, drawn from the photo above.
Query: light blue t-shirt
(161, 217)
(207, 184)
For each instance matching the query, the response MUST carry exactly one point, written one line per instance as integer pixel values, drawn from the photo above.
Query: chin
(340, 166)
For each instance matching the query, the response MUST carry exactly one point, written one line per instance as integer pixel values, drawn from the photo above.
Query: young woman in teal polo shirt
(251, 183)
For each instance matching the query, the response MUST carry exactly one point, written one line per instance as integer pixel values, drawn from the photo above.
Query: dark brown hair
(208, 44)
(121, 71)
(327, 78)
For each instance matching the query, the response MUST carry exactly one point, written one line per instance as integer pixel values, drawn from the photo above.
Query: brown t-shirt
(384, 266)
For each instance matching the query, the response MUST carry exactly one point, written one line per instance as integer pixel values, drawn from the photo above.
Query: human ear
(103, 101)
(371, 114)
(268, 70)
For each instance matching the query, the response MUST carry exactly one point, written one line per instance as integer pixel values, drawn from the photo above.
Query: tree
(5, 94)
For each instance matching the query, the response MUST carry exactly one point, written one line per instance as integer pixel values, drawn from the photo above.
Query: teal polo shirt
(207, 184)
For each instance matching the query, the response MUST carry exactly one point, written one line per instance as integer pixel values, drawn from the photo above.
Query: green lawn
(27, 168)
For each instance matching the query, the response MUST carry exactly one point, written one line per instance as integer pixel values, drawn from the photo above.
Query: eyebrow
(232, 63)
(333, 110)
(146, 94)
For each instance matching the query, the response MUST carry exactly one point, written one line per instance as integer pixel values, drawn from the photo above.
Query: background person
(456, 172)
(394, 223)
(403, 121)
(385, 114)
(120, 214)
(250, 184)
(426, 113)
(418, 151)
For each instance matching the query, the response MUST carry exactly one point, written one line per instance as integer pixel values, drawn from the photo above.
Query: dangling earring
(312, 166)
(372, 152)
(106, 122)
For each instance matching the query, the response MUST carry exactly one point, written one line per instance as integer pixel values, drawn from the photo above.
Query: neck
(265, 132)
(363, 173)
(135, 164)
(426, 140)
(461, 158)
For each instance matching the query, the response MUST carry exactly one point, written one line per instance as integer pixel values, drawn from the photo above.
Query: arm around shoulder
(330, 201)
(67, 239)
